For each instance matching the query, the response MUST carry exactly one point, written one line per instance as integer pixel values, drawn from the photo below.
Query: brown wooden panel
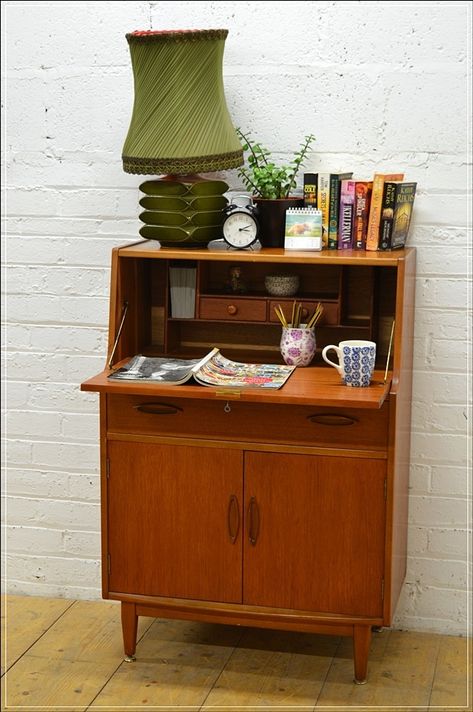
(333, 427)
(314, 386)
(319, 529)
(312, 528)
(269, 255)
(232, 308)
(130, 286)
(400, 432)
(168, 521)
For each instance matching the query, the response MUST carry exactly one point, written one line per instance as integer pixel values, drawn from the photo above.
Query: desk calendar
(303, 229)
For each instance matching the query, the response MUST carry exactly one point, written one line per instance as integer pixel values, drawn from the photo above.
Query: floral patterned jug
(297, 345)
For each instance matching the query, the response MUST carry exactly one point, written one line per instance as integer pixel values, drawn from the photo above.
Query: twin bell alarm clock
(240, 224)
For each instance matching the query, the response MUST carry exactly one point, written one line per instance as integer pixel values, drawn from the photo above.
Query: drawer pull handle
(158, 408)
(332, 419)
(233, 517)
(232, 309)
(253, 521)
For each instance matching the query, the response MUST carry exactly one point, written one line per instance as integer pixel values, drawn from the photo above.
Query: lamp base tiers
(184, 211)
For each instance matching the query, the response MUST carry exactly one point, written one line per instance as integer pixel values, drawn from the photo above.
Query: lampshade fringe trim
(175, 35)
(179, 166)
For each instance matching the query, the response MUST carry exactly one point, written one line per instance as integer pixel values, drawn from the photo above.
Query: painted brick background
(383, 86)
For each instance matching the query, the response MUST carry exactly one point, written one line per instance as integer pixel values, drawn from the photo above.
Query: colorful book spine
(387, 214)
(323, 204)
(362, 208)
(334, 208)
(379, 179)
(396, 215)
(346, 217)
(310, 190)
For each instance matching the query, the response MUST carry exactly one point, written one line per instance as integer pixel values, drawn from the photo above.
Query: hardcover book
(323, 203)
(212, 370)
(334, 207)
(346, 218)
(310, 190)
(362, 208)
(398, 200)
(375, 207)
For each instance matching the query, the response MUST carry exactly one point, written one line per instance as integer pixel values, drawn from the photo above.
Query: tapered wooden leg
(129, 629)
(361, 649)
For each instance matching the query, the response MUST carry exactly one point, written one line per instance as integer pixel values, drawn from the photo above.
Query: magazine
(220, 371)
(212, 370)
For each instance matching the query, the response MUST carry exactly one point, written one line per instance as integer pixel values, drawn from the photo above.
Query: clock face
(240, 229)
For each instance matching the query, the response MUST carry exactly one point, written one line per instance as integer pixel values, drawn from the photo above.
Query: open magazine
(212, 370)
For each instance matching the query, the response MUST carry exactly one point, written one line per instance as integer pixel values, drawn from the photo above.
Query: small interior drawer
(330, 314)
(232, 308)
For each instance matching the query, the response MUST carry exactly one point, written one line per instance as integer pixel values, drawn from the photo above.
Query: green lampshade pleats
(180, 122)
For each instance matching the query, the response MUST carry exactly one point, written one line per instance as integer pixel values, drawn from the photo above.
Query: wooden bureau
(283, 509)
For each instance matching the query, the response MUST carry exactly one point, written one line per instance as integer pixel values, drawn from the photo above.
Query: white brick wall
(382, 85)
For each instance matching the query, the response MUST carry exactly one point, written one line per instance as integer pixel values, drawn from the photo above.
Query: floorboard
(61, 654)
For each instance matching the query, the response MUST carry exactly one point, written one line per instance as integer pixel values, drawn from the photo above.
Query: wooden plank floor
(67, 655)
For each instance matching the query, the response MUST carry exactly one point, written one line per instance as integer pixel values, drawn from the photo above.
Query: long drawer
(234, 421)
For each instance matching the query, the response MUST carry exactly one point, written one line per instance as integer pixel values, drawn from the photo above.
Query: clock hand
(244, 228)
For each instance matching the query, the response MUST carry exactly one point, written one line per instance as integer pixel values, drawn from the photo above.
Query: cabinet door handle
(157, 408)
(233, 518)
(331, 419)
(253, 521)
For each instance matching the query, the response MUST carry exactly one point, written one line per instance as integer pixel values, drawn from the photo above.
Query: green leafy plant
(263, 177)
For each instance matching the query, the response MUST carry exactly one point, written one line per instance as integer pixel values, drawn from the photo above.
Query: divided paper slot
(182, 286)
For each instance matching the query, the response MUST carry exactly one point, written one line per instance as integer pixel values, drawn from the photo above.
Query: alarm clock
(240, 224)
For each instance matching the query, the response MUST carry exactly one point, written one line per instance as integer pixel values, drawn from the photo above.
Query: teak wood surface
(270, 513)
(169, 511)
(230, 420)
(306, 386)
(313, 524)
(149, 249)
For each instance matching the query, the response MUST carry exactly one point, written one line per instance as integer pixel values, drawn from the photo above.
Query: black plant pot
(272, 219)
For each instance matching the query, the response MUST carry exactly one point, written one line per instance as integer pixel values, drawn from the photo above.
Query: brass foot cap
(360, 682)
(129, 658)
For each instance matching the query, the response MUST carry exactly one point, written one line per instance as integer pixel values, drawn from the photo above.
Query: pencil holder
(297, 345)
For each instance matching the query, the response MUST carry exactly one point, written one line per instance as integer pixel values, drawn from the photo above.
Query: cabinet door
(315, 531)
(173, 521)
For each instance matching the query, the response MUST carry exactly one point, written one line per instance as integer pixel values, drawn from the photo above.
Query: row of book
(361, 214)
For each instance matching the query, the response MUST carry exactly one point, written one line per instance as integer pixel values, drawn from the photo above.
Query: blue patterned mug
(355, 361)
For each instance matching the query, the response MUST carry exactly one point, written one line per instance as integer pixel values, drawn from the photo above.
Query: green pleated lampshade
(180, 122)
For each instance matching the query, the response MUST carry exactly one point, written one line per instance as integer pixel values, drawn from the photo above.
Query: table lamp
(180, 127)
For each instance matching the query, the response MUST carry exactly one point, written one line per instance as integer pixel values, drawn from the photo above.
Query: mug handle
(339, 354)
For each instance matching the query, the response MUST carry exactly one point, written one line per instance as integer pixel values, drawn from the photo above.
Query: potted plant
(271, 186)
